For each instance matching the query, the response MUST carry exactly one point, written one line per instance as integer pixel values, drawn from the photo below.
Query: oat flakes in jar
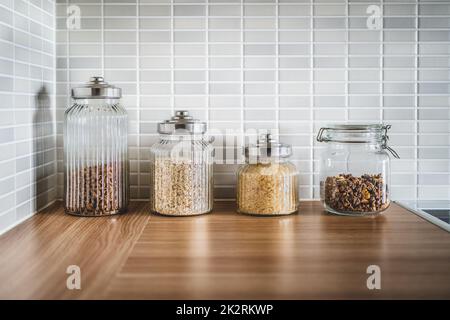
(182, 168)
(267, 182)
(355, 169)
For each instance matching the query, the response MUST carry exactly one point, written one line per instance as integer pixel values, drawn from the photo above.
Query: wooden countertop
(225, 255)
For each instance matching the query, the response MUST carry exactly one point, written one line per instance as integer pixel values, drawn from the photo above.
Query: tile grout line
(138, 99)
(416, 103)
(347, 45)
(311, 94)
(54, 104)
(277, 72)
(241, 143)
(172, 59)
(14, 121)
(102, 39)
(381, 74)
(207, 64)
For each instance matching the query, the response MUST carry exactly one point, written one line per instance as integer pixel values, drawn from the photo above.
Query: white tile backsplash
(27, 109)
(291, 65)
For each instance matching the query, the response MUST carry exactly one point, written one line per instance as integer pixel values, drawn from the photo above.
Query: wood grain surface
(224, 255)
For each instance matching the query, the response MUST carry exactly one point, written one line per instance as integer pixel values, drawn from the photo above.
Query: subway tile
(189, 10)
(260, 10)
(151, 23)
(293, 23)
(271, 80)
(433, 193)
(222, 36)
(188, 23)
(188, 36)
(119, 23)
(154, 10)
(399, 36)
(294, 101)
(256, 23)
(433, 48)
(399, 49)
(154, 36)
(399, 10)
(434, 114)
(119, 10)
(329, 36)
(259, 101)
(189, 62)
(224, 75)
(260, 62)
(145, 49)
(433, 165)
(224, 49)
(293, 49)
(440, 126)
(224, 10)
(329, 10)
(294, 10)
(329, 101)
(295, 115)
(333, 49)
(434, 9)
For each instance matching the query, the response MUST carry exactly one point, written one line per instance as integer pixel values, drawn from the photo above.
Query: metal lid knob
(96, 88)
(97, 79)
(268, 147)
(182, 122)
(184, 114)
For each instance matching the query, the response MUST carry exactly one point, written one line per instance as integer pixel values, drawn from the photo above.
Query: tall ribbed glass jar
(182, 168)
(95, 151)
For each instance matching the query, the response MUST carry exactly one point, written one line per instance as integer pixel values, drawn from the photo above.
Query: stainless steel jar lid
(267, 147)
(96, 88)
(183, 122)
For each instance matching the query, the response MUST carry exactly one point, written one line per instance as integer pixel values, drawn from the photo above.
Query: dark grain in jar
(364, 194)
(96, 190)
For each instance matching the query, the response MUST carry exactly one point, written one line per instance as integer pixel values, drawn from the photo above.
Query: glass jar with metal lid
(267, 182)
(95, 151)
(182, 167)
(355, 169)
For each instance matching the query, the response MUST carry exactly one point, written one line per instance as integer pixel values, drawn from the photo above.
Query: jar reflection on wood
(268, 182)
(182, 168)
(95, 151)
(355, 169)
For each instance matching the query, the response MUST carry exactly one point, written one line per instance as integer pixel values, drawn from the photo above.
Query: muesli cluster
(364, 194)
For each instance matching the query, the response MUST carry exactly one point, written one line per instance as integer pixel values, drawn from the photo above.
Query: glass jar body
(354, 178)
(267, 187)
(95, 157)
(181, 175)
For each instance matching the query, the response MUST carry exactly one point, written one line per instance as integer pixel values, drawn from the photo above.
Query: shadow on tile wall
(44, 145)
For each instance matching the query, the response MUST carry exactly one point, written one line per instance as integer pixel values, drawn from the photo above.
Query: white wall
(27, 120)
(293, 65)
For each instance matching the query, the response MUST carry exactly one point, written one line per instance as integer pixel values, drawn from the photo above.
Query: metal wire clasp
(319, 137)
(385, 139)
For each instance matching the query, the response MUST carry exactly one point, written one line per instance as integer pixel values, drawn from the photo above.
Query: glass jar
(267, 183)
(95, 151)
(355, 169)
(182, 168)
